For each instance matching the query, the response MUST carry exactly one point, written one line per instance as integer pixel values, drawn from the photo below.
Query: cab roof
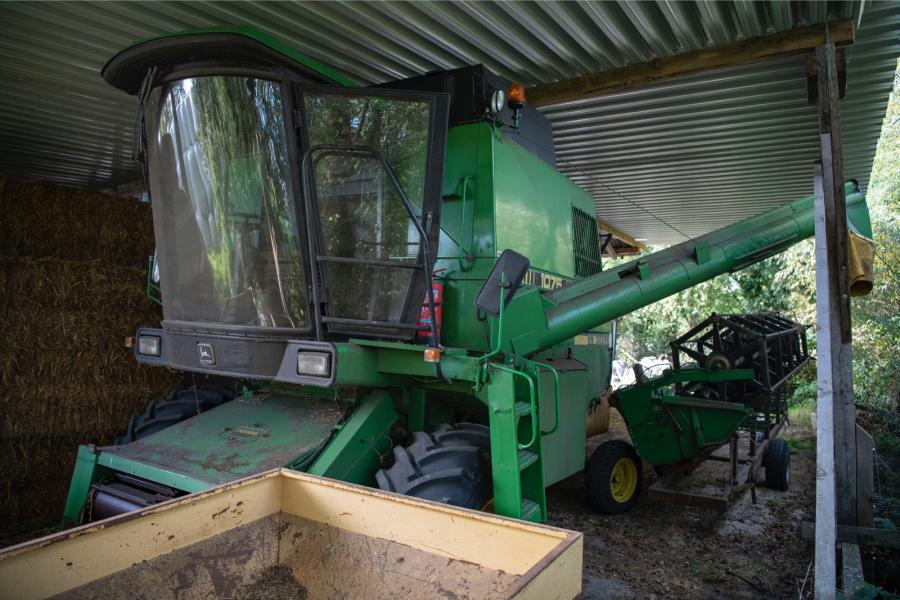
(225, 46)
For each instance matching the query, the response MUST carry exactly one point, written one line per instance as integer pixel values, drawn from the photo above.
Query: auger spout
(611, 294)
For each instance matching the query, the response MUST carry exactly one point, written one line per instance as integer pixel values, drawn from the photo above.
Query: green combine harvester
(390, 286)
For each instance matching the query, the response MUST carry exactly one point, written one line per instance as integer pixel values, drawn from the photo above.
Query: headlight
(317, 364)
(498, 100)
(149, 345)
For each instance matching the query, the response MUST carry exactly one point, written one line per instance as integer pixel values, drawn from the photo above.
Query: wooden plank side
(851, 569)
(495, 542)
(865, 478)
(73, 558)
(794, 41)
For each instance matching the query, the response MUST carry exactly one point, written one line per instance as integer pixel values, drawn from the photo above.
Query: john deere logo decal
(206, 355)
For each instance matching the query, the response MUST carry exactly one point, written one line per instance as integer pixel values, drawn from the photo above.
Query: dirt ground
(665, 550)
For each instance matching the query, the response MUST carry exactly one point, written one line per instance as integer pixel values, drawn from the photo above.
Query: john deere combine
(353, 261)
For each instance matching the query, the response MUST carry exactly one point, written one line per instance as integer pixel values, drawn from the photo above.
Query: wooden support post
(825, 538)
(836, 427)
(838, 289)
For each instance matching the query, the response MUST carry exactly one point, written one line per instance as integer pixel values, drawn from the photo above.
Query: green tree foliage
(876, 317)
(771, 285)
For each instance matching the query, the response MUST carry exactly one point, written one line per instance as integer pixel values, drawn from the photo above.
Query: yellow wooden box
(332, 539)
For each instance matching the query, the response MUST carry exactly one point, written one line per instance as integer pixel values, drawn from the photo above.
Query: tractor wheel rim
(623, 480)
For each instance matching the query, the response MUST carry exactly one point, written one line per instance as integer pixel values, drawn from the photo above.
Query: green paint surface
(666, 428)
(534, 209)
(358, 449)
(239, 438)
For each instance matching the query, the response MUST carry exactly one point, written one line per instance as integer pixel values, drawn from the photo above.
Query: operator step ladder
(518, 470)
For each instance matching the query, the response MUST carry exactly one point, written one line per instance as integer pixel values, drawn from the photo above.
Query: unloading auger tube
(601, 298)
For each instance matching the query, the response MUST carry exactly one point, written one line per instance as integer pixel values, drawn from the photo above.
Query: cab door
(371, 169)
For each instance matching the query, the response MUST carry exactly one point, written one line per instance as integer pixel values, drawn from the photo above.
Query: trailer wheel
(178, 406)
(450, 465)
(612, 479)
(778, 465)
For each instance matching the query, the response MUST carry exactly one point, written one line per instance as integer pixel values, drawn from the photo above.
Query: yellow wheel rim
(623, 480)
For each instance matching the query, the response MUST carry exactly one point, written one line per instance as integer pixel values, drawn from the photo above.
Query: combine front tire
(778, 465)
(178, 406)
(612, 479)
(450, 465)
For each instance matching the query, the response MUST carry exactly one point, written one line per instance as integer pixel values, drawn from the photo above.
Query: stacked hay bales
(72, 287)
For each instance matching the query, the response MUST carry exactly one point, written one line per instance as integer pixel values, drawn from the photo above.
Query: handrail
(533, 399)
(556, 389)
(465, 265)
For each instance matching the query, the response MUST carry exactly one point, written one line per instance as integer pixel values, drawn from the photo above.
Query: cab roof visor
(198, 50)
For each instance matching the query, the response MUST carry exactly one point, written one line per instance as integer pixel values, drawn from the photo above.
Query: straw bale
(39, 283)
(35, 481)
(68, 330)
(72, 287)
(96, 414)
(41, 220)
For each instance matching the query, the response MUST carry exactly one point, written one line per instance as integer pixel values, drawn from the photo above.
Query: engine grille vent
(586, 243)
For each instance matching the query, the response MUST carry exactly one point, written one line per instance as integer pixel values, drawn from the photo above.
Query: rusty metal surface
(238, 438)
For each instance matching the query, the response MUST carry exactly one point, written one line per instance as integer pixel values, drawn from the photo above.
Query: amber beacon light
(515, 100)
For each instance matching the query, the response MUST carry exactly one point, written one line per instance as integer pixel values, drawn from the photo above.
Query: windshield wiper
(139, 139)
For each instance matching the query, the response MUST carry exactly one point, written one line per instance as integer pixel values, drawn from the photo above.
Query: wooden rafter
(621, 235)
(794, 41)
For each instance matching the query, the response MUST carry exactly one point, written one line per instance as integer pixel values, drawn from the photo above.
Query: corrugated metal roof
(682, 156)
(676, 159)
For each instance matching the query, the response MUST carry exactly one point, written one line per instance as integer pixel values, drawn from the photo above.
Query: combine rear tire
(178, 406)
(450, 465)
(612, 479)
(778, 465)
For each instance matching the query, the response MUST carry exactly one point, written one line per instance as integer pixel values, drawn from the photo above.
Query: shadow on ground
(665, 550)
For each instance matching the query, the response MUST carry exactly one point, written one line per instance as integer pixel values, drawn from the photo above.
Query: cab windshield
(230, 249)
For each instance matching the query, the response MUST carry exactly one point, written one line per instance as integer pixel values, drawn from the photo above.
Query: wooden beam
(838, 290)
(794, 41)
(621, 235)
(864, 536)
(620, 251)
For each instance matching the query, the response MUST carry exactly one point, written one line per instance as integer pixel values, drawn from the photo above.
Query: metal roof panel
(676, 158)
